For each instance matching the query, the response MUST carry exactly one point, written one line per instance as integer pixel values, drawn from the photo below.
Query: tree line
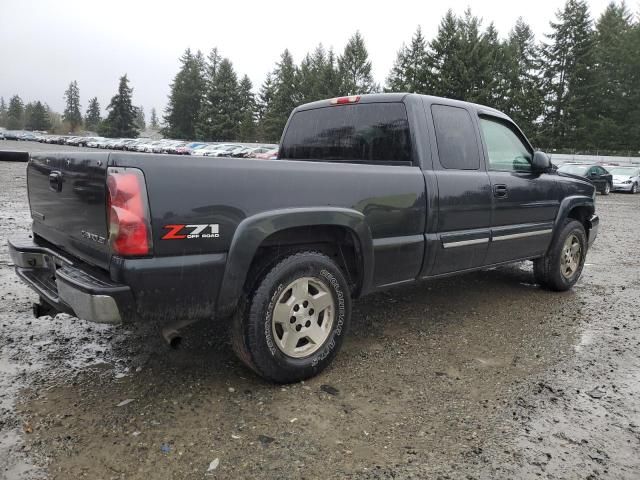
(578, 88)
(123, 118)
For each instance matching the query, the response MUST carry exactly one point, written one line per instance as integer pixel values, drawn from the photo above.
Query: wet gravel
(479, 376)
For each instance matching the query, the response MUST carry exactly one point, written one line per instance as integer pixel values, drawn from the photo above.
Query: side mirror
(540, 162)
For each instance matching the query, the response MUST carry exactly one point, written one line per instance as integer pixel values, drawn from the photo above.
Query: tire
(552, 270)
(264, 331)
(607, 189)
(634, 189)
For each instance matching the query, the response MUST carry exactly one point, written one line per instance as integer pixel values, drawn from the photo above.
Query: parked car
(11, 135)
(190, 147)
(626, 179)
(409, 187)
(597, 174)
(268, 155)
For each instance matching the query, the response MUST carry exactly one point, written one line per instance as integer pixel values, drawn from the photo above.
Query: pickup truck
(368, 192)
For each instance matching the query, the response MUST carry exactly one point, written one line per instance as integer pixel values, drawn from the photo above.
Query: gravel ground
(479, 376)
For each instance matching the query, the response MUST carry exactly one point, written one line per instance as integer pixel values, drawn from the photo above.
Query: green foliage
(153, 122)
(355, 68)
(92, 119)
(410, 72)
(141, 122)
(37, 117)
(185, 98)
(219, 117)
(246, 111)
(281, 96)
(15, 113)
(72, 113)
(121, 119)
(3, 112)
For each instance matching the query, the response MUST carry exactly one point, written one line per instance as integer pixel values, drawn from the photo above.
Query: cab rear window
(363, 133)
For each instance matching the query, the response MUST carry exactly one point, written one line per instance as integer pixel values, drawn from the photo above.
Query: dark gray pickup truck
(369, 192)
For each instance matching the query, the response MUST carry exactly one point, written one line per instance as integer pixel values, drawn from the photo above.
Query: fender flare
(566, 205)
(253, 230)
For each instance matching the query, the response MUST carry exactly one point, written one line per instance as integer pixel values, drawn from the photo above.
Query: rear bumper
(70, 286)
(594, 224)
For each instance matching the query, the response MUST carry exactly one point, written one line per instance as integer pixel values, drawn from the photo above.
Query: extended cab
(368, 192)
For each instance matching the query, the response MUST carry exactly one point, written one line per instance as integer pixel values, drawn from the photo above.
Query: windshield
(574, 169)
(630, 171)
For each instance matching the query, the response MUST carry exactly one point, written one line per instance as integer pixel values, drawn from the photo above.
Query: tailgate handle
(55, 181)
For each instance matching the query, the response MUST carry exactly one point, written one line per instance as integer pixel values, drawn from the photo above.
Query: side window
(505, 149)
(456, 138)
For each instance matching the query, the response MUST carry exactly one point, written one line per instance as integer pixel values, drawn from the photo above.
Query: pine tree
(318, 77)
(521, 82)
(3, 112)
(15, 113)
(445, 62)
(410, 70)
(37, 117)
(92, 119)
(182, 112)
(265, 97)
(219, 115)
(121, 120)
(246, 110)
(610, 99)
(355, 68)
(141, 122)
(72, 113)
(153, 122)
(284, 98)
(568, 77)
(631, 130)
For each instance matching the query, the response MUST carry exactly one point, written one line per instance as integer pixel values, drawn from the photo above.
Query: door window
(456, 138)
(507, 152)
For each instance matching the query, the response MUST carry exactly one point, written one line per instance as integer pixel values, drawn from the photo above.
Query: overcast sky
(44, 44)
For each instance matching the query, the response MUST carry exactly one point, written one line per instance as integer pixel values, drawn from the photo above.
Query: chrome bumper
(67, 285)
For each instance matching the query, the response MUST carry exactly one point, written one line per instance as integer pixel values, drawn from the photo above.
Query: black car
(598, 175)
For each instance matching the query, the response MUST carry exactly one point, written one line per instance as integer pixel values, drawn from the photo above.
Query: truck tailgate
(67, 197)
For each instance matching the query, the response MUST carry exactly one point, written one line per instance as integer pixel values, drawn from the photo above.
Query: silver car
(625, 179)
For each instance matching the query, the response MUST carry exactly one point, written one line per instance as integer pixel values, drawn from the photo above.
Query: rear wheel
(561, 268)
(292, 324)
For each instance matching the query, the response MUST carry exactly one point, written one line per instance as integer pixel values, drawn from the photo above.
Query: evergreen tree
(220, 116)
(92, 119)
(318, 77)
(568, 77)
(210, 99)
(246, 110)
(445, 62)
(72, 113)
(284, 98)
(182, 112)
(521, 82)
(631, 130)
(15, 113)
(153, 122)
(141, 122)
(265, 97)
(410, 70)
(355, 68)
(3, 112)
(37, 117)
(610, 99)
(121, 119)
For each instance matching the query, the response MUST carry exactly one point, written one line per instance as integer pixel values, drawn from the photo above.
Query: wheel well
(338, 243)
(582, 215)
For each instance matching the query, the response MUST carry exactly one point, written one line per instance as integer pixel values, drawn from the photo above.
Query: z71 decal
(180, 232)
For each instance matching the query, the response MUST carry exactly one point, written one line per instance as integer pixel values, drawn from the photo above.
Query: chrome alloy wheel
(302, 317)
(570, 256)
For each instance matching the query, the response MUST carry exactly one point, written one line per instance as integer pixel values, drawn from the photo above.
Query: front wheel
(562, 266)
(607, 189)
(291, 326)
(634, 189)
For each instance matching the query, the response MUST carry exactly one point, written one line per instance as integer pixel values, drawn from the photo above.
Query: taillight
(128, 211)
(345, 100)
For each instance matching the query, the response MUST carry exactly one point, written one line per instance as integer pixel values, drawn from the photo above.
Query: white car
(209, 150)
(625, 179)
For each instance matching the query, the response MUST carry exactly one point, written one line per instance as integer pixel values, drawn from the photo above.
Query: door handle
(500, 191)
(55, 181)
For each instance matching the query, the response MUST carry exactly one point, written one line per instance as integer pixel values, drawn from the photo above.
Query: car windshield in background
(351, 133)
(580, 170)
(630, 171)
